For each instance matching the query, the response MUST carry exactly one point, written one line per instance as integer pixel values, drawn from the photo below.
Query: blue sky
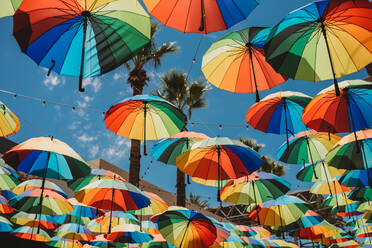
(85, 131)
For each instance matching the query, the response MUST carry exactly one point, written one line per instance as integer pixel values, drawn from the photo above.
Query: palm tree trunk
(181, 189)
(369, 71)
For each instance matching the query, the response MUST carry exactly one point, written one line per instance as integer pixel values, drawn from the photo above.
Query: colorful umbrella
(157, 205)
(31, 233)
(37, 184)
(186, 228)
(127, 234)
(9, 123)
(7, 182)
(145, 117)
(74, 232)
(8, 7)
(333, 187)
(323, 40)
(237, 63)
(95, 175)
(346, 244)
(169, 149)
(338, 200)
(322, 170)
(5, 208)
(33, 220)
(348, 112)
(361, 194)
(279, 113)
(112, 219)
(5, 225)
(233, 241)
(279, 212)
(200, 17)
(7, 169)
(357, 178)
(252, 243)
(112, 195)
(47, 158)
(219, 159)
(30, 202)
(256, 188)
(151, 228)
(64, 243)
(83, 39)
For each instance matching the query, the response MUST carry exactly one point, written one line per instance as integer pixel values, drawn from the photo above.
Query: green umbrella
(8, 7)
(7, 182)
(322, 170)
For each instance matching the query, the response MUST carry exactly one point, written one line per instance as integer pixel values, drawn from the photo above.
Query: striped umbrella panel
(9, 122)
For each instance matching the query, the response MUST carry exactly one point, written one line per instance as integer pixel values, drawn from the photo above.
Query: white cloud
(74, 125)
(93, 151)
(118, 150)
(95, 83)
(118, 76)
(85, 138)
(53, 80)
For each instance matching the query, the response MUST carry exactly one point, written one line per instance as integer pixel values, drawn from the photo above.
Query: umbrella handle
(144, 130)
(51, 67)
(81, 89)
(249, 45)
(202, 25)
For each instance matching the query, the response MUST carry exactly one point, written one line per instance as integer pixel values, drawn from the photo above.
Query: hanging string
(34, 127)
(194, 58)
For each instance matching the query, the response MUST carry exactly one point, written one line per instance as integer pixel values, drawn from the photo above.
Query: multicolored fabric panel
(317, 172)
(8, 7)
(31, 233)
(297, 47)
(228, 65)
(9, 123)
(52, 33)
(186, 15)
(74, 231)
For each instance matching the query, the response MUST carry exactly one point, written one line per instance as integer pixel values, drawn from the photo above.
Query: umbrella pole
(353, 125)
(249, 45)
(281, 222)
(184, 234)
(334, 185)
(42, 191)
(286, 121)
(202, 24)
(326, 174)
(365, 163)
(86, 15)
(337, 89)
(112, 204)
(144, 130)
(219, 174)
(255, 199)
(311, 156)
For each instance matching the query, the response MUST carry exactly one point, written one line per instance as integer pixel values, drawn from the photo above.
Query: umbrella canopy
(5, 208)
(307, 147)
(255, 188)
(9, 123)
(7, 182)
(346, 244)
(33, 220)
(186, 228)
(200, 17)
(333, 187)
(64, 243)
(30, 202)
(361, 194)
(261, 232)
(279, 212)
(219, 159)
(279, 113)
(74, 231)
(127, 234)
(237, 63)
(338, 200)
(95, 175)
(48, 158)
(357, 178)
(83, 39)
(31, 233)
(145, 117)
(169, 149)
(8, 7)
(353, 151)
(233, 241)
(157, 205)
(37, 184)
(7, 169)
(115, 218)
(5, 225)
(321, 170)
(348, 112)
(81, 210)
(323, 40)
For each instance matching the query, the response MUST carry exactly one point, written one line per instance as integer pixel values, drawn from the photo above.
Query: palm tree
(195, 199)
(151, 55)
(369, 71)
(268, 164)
(186, 96)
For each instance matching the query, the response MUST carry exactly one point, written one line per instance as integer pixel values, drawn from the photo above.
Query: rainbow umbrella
(80, 214)
(82, 39)
(279, 113)
(361, 194)
(357, 178)
(5, 208)
(112, 195)
(157, 244)
(30, 202)
(346, 244)
(261, 232)
(32, 220)
(64, 243)
(74, 232)
(95, 175)
(200, 17)
(186, 228)
(9, 123)
(338, 200)
(5, 225)
(103, 223)
(237, 63)
(7, 169)
(233, 241)
(128, 234)
(348, 112)
(279, 212)
(168, 150)
(332, 187)
(256, 188)
(222, 234)
(8, 7)
(145, 117)
(322, 170)
(7, 182)
(157, 205)
(246, 230)
(150, 227)
(37, 184)
(323, 40)
(219, 159)
(31, 233)
(252, 242)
